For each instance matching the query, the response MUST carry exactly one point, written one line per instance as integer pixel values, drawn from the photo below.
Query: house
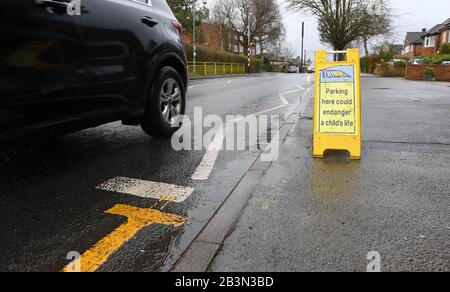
(398, 49)
(413, 45)
(436, 37)
(210, 37)
(445, 32)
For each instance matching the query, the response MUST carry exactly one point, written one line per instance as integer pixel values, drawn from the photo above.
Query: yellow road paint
(138, 218)
(170, 200)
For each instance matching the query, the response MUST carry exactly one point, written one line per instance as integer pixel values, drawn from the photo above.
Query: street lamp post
(194, 47)
(249, 41)
(302, 61)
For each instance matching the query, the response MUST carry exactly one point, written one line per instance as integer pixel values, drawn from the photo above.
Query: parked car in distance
(115, 60)
(397, 62)
(446, 63)
(292, 69)
(416, 61)
(311, 69)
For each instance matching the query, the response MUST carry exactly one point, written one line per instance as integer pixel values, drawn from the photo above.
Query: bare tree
(342, 22)
(233, 18)
(269, 27)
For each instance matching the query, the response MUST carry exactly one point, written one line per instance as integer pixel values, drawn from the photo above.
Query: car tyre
(166, 102)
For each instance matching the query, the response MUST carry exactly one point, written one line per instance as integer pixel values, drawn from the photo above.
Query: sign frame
(324, 141)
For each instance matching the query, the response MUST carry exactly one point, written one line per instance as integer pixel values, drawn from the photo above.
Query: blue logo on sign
(335, 74)
(344, 73)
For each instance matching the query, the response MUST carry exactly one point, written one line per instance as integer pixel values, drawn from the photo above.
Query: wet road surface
(51, 204)
(329, 214)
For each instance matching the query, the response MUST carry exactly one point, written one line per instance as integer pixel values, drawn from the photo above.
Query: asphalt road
(50, 204)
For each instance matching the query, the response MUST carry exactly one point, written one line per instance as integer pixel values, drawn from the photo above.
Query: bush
(430, 71)
(445, 49)
(400, 63)
(365, 64)
(207, 55)
(369, 64)
(255, 65)
(435, 59)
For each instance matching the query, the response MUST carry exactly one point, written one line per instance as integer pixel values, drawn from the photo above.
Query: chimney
(424, 30)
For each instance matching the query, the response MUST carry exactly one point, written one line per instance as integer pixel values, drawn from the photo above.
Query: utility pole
(194, 46)
(304, 63)
(303, 37)
(249, 41)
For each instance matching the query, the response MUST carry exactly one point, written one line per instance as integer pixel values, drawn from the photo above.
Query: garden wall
(415, 72)
(390, 71)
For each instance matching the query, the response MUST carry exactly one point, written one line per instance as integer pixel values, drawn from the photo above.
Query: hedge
(207, 55)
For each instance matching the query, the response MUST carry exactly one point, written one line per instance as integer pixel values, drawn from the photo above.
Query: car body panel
(107, 58)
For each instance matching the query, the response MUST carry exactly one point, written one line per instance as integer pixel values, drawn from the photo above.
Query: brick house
(445, 32)
(413, 45)
(209, 37)
(436, 37)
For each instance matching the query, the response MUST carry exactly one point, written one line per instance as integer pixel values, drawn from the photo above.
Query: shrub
(435, 59)
(207, 55)
(430, 71)
(400, 63)
(256, 65)
(445, 49)
(365, 65)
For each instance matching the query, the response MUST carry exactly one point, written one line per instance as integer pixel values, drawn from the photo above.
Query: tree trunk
(366, 47)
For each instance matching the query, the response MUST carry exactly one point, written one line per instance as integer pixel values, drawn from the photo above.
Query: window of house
(429, 41)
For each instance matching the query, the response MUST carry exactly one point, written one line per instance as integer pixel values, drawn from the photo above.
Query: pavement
(329, 214)
(101, 192)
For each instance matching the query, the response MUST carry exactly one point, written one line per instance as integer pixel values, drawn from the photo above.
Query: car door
(119, 37)
(41, 73)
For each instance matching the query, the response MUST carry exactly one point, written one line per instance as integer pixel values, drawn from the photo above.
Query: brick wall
(391, 71)
(415, 72)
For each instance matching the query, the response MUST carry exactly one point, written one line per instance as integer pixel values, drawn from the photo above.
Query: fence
(209, 69)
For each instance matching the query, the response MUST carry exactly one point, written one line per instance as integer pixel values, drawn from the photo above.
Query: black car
(67, 65)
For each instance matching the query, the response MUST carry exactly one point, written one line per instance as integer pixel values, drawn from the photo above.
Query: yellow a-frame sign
(337, 104)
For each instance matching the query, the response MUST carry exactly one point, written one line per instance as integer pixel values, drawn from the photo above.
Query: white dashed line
(205, 167)
(146, 189)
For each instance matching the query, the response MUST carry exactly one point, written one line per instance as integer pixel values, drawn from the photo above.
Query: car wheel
(167, 101)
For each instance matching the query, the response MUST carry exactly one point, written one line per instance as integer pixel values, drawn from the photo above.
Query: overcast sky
(411, 15)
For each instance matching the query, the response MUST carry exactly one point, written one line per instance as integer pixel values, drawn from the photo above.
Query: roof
(434, 30)
(445, 25)
(398, 49)
(439, 28)
(414, 37)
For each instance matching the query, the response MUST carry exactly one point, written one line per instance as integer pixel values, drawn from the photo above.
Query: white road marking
(283, 99)
(229, 81)
(146, 189)
(192, 86)
(205, 167)
(301, 87)
(269, 110)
